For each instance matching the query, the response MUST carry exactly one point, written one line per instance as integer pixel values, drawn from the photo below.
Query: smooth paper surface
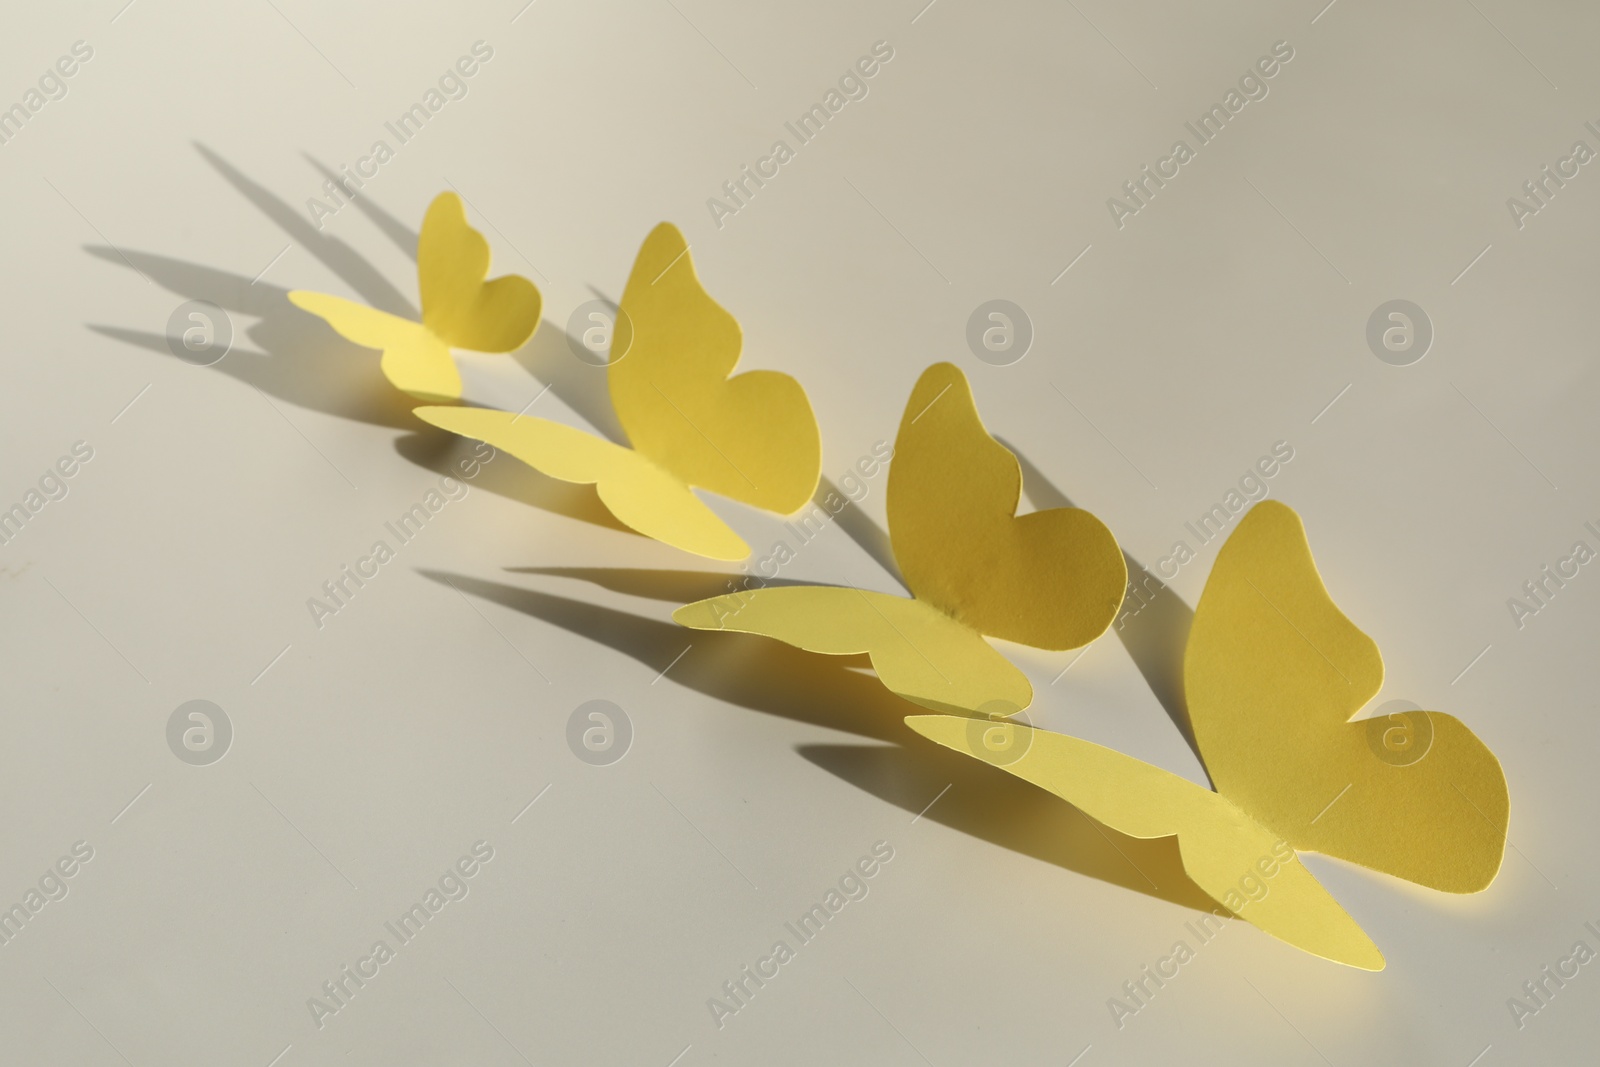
(458, 305)
(916, 649)
(1274, 671)
(1238, 862)
(1053, 579)
(751, 436)
(414, 359)
(391, 736)
(640, 494)
(459, 309)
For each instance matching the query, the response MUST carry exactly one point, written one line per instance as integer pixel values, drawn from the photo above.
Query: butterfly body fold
(1050, 579)
(460, 309)
(690, 422)
(1273, 674)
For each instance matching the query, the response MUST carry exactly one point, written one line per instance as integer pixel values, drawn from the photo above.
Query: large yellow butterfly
(1274, 673)
(751, 437)
(1052, 579)
(459, 308)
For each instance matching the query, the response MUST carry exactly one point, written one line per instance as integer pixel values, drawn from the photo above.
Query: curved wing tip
(725, 546)
(1270, 510)
(722, 545)
(941, 371)
(1371, 960)
(1348, 946)
(307, 300)
(701, 615)
(431, 413)
(536, 313)
(1473, 881)
(666, 227)
(449, 197)
(942, 377)
(931, 726)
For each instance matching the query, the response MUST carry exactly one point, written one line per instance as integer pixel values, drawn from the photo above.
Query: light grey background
(370, 754)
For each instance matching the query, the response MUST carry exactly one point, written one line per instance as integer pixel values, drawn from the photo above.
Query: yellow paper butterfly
(459, 308)
(751, 436)
(1052, 579)
(1274, 673)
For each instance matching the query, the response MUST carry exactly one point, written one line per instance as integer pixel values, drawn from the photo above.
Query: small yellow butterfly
(1052, 579)
(751, 437)
(1273, 675)
(459, 308)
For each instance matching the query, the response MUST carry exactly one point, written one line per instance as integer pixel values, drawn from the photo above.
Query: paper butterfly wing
(1223, 849)
(919, 652)
(1273, 673)
(637, 492)
(751, 437)
(414, 360)
(458, 305)
(1051, 579)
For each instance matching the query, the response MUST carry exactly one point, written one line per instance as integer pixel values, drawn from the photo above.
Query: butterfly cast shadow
(292, 357)
(840, 693)
(1153, 623)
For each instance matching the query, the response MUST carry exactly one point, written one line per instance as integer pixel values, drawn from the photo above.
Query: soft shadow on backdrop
(297, 359)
